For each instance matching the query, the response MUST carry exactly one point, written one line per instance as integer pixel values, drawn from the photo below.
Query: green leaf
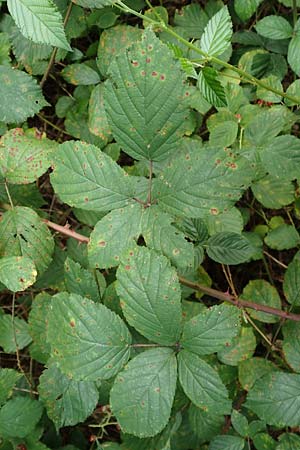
(229, 248)
(211, 330)
(114, 234)
(293, 54)
(283, 237)
(274, 122)
(242, 347)
(22, 233)
(263, 293)
(87, 178)
(271, 192)
(150, 295)
(291, 344)
(24, 157)
(246, 8)
(205, 425)
(37, 321)
(81, 281)
(274, 27)
(288, 441)
(252, 369)
(293, 90)
(12, 332)
(291, 283)
(88, 341)
(217, 34)
(227, 442)
(240, 423)
(224, 134)
(230, 220)
(281, 158)
(19, 416)
(211, 88)
(201, 181)
(94, 3)
(23, 97)
(146, 125)
(275, 398)
(67, 401)
(162, 236)
(17, 273)
(192, 20)
(80, 74)
(202, 384)
(273, 82)
(98, 123)
(8, 380)
(151, 380)
(39, 21)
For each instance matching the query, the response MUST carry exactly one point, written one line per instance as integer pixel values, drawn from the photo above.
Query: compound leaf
(67, 401)
(114, 234)
(151, 380)
(202, 384)
(24, 157)
(87, 178)
(211, 330)
(19, 416)
(40, 21)
(143, 100)
(17, 273)
(88, 341)
(23, 97)
(275, 398)
(229, 248)
(217, 33)
(150, 295)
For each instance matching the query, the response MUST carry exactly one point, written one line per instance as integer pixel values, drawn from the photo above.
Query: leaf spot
(102, 244)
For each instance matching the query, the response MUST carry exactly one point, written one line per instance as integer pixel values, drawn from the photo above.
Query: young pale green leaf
(8, 380)
(40, 21)
(241, 347)
(211, 88)
(81, 281)
(281, 158)
(17, 273)
(274, 27)
(271, 192)
(202, 384)
(250, 370)
(80, 74)
(275, 398)
(67, 401)
(217, 34)
(12, 333)
(262, 292)
(98, 123)
(24, 157)
(291, 344)
(87, 178)
(150, 295)
(19, 416)
(144, 100)
(37, 321)
(22, 233)
(23, 97)
(151, 380)
(246, 8)
(211, 330)
(202, 181)
(205, 425)
(88, 341)
(229, 248)
(291, 283)
(113, 234)
(162, 236)
(229, 442)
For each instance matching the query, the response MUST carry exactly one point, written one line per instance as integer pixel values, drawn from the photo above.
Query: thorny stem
(54, 52)
(250, 78)
(224, 296)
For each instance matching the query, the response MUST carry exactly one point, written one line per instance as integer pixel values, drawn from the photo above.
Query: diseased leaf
(67, 401)
(24, 157)
(17, 273)
(98, 123)
(151, 380)
(80, 74)
(202, 384)
(19, 416)
(114, 234)
(211, 330)
(211, 88)
(149, 293)
(147, 126)
(252, 369)
(271, 192)
(88, 341)
(40, 21)
(23, 97)
(81, 281)
(275, 398)
(217, 33)
(281, 158)
(241, 348)
(87, 178)
(229, 248)
(205, 425)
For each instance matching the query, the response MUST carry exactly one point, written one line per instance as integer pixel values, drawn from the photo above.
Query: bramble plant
(149, 270)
